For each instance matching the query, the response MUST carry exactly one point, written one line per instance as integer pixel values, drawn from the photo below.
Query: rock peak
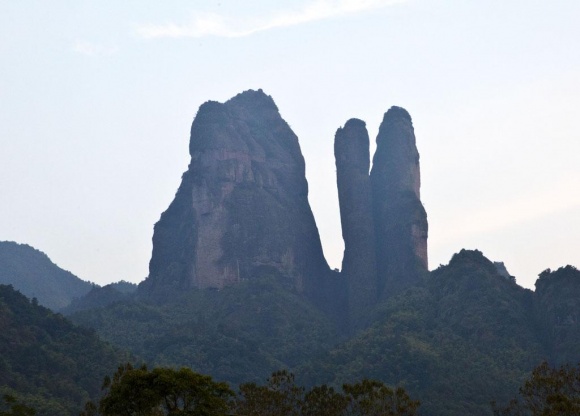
(395, 113)
(242, 208)
(253, 98)
(351, 152)
(400, 219)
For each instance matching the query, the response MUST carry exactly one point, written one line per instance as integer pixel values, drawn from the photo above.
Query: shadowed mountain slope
(51, 364)
(31, 272)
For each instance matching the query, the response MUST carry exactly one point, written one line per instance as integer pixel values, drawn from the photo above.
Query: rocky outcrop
(241, 210)
(400, 219)
(351, 151)
(384, 224)
(557, 301)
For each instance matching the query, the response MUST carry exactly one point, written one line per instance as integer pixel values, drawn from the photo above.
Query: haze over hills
(31, 272)
(36, 276)
(238, 285)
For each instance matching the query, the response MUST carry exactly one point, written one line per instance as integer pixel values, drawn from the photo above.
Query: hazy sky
(97, 99)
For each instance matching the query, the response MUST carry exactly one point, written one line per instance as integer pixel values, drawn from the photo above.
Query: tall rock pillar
(351, 151)
(242, 208)
(400, 219)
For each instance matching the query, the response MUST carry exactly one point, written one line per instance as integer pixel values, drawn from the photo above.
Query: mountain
(384, 224)
(400, 219)
(359, 263)
(240, 333)
(31, 272)
(238, 286)
(558, 311)
(462, 337)
(46, 361)
(99, 297)
(242, 208)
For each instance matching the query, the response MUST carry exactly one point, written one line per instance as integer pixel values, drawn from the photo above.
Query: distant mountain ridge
(31, 272)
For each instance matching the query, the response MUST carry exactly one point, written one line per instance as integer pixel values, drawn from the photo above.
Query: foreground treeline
(548, 392)
(165, 391)
(138, 391)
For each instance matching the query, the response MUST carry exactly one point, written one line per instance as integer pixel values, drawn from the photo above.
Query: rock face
(242, 208)
(557, 301)
(400, 219)
(351, 151)
(383, 221)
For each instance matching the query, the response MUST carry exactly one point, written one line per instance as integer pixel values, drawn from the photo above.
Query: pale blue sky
(97, 98)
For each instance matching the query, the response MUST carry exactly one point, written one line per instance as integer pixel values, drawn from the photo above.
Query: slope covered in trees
(45, 360)
(237, 334)
(36, 276)
(462, 337)
(458, 340)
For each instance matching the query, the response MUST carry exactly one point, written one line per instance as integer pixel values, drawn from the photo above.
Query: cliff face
(400, 219)
(557, 301)
(351, 151)
(242, 209)
(384, 224)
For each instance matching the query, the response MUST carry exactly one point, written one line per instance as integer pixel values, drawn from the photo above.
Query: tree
(548, 392)
(324, 401)
(373, 398)
(15, 407)
(162, 391)
(280, 397)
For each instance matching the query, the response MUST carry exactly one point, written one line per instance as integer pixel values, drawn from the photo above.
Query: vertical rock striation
(351, 151)
(242, 208)
(400, 219)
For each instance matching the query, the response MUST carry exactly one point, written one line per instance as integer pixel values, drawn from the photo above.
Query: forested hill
(465, 335)
(462, 338)
(35, 275)
(46, 361)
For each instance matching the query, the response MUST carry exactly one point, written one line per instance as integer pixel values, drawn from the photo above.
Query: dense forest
(465, 336)
(51, 364)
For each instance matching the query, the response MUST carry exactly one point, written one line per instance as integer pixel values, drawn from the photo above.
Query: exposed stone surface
(503, 271)
(351, 151)
(557, 301)
(242, 208)
(400, 219)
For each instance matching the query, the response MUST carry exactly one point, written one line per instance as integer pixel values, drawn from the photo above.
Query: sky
(97, 99)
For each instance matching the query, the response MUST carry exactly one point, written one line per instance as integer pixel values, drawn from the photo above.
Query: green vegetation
(161, 391)
(464, 336)
(165, 391)
(238, 334)
(282, 397)
(548, 392)
(46, 361)
(12, 407)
